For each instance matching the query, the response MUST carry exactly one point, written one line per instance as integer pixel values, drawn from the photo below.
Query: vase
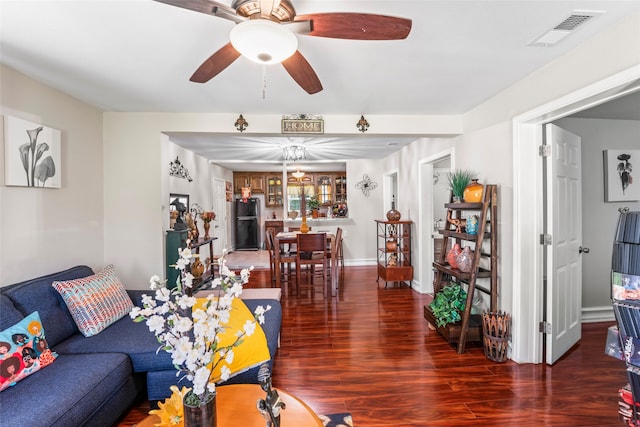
(473, 192)
(304, 228)
(391, 245)
(207, 226)
(465, 260)
(472, 224)
(196, 232)
(197, 268)
(314, 213)
(203, 415)
(452, 255)
(393, 214)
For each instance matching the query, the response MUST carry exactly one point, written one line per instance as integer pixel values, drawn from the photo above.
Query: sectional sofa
(94, 379)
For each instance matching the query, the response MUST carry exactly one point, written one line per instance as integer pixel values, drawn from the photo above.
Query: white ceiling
(138, 55)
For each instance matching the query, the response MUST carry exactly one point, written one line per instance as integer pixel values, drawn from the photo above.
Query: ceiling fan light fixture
(263, 41)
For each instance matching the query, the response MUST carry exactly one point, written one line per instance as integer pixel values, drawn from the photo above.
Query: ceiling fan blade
(300, 70)
(215, 64)
(298, 27)
(209, 7)
(357, 26)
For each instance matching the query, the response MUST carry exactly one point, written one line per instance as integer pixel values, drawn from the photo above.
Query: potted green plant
(448, 304)
(458, 181)
(314, 205)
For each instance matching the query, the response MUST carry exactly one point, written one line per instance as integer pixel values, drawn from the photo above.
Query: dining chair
(312, 252)
(272, 256)
(337, 260)
(282, 260)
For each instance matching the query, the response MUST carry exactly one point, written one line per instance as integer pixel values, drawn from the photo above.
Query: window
(324, 189)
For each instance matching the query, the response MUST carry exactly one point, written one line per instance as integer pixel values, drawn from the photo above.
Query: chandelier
(294, 152)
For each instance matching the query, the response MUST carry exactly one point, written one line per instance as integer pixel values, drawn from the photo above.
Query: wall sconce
(362, 124)
(241, 124)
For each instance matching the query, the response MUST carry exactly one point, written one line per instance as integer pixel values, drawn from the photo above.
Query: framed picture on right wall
(619, 182)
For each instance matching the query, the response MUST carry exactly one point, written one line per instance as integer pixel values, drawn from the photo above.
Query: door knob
(582, 250)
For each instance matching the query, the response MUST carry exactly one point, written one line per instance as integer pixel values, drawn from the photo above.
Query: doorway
(528, 226)
(390, 192)
(433, 183)
(219, 224)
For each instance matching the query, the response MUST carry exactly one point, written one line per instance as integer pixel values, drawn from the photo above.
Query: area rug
(336, 420)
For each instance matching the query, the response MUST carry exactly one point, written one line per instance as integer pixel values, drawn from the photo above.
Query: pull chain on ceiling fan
(265, 32)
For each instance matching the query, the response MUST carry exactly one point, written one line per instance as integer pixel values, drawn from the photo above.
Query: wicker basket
(496, 329)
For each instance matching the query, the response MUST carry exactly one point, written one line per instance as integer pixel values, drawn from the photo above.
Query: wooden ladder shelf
(484, 266)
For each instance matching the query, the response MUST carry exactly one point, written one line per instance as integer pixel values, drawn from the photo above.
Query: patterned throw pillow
(95, 302)
(23, 350)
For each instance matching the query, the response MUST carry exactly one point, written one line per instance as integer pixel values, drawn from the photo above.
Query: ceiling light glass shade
(263, 41)
(298, 174)
(294, 152)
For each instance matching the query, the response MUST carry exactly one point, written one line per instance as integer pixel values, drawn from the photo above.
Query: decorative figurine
(459, 224)
(181, 208)
(271, 406)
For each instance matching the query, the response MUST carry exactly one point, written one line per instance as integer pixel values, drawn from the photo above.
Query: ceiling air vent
(565, 27)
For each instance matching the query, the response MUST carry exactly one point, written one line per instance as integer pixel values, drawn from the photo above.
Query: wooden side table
(236, 406)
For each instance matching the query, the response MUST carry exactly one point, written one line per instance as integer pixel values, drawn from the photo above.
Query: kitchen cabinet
(245, 179)
(274, 194)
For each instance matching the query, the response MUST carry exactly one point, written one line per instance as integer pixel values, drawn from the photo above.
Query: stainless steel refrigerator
(247, 226)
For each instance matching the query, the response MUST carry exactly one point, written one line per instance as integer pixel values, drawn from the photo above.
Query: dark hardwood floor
(370, 352)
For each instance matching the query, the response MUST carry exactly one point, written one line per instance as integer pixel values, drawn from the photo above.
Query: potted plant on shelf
(448, 304)
(314, 205)
(458, 181)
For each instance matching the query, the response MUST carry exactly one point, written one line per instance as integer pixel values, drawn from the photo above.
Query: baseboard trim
(598, 314)
(359, 262)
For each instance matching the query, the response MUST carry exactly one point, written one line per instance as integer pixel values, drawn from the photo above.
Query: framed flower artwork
(32, 154)
(621, 183)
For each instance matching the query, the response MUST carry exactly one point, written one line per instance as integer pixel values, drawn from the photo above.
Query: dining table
(285, 239)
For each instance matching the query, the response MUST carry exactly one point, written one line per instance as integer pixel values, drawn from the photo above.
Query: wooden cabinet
(174, 240)
(307, 179)
(257, 184)
(276, 225)
(274, 194)
(394, 251)
(178, 240)
(483, 276)
(340, 185)
(245, 179)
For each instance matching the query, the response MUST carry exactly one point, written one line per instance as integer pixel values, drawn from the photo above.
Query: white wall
(47, 230)
(360, 241)
(134, 177)
(599, 219)
(199, 189)
(493, 125)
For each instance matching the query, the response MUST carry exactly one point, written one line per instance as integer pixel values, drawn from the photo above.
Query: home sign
(303, 125)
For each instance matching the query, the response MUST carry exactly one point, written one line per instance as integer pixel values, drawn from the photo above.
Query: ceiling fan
(265, 33)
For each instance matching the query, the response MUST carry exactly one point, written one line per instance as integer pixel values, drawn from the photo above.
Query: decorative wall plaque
(302, 124)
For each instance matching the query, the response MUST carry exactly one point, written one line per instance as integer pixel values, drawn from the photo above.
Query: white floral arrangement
(190, 335)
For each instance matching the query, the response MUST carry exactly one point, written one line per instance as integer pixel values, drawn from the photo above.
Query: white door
(220, 223)
(564, 263)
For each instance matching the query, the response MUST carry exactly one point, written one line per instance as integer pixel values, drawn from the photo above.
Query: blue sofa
(95, 379)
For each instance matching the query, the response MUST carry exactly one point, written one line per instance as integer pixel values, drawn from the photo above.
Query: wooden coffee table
(236, 406)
